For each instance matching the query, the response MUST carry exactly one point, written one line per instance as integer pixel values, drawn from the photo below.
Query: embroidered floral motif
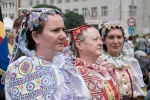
(120, 69)
(109, 25)
(98, 80)
(36, 78)
(78, 31)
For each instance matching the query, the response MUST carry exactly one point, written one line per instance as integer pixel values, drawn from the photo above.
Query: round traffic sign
(131, 22)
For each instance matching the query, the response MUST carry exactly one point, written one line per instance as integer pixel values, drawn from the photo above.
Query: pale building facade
(97, 12)
(10, 8)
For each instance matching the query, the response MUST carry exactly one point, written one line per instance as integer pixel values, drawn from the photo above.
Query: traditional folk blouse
(128, 73)
(33, 78)
(98, 80)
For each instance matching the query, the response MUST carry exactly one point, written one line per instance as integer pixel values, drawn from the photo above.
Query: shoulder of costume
(133, 60)
(20, 59)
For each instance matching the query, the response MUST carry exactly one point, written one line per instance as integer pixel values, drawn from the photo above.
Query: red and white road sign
(131, 22)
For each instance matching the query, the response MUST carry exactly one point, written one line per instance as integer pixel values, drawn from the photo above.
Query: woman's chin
(60, 49)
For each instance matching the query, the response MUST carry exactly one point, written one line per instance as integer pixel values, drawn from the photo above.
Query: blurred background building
(96, 12)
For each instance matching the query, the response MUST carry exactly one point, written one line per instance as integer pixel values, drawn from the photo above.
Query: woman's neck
(47, 56)
(114, 54)
(88, 59)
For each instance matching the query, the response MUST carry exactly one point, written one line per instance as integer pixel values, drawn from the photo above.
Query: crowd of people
(94, 64)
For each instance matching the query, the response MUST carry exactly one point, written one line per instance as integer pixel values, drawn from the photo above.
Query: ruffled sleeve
(63, 61)
(6, 88)
(7, 79)
(78, 84)
(138, 76)
(124, 60)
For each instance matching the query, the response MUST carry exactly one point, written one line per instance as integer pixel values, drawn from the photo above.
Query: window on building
(67, 0)
(84, 0)
(76, 0)
(94, 11)
(5, 15)
(10, 4)
(51, 1)
(3, 5)
(30, 2)
(134, 10)
(75, 10)
(13, 4)
(67, 10)
(104, 11)
(44, 1)
(6, 4)
(85, 12)
(11, 16)
(37, 2)
(59, 1)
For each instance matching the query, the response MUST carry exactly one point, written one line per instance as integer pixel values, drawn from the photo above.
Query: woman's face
(114, 41)
(12, 40)
(92, 45)
(53, 36)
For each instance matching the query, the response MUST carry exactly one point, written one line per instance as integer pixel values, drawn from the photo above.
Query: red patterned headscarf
(78, 31)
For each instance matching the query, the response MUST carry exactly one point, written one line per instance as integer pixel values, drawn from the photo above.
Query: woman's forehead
(92, 33)
(54, 21)
(115, 32)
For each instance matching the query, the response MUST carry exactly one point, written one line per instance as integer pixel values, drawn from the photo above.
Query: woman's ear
(78, 44)
(35, 37)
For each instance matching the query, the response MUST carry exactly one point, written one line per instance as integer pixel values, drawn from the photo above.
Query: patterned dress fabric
(128, 73)
(33, 78)
(98, 80)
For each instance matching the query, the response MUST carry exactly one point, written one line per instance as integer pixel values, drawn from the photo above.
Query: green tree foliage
(73, 20)
(46, 6)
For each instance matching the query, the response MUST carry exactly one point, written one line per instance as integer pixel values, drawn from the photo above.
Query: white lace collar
(120, 61)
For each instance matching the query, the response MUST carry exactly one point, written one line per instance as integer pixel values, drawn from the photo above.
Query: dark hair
(18, 21)
(130, 38)
(106, 32)
(31, 45)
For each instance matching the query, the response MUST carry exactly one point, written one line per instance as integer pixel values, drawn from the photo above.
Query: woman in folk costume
(35, 76)
(86, 44)
(126, 69)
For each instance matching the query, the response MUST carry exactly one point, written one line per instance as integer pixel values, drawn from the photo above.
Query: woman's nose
(100, 42)
(115, 40)
(63, 35)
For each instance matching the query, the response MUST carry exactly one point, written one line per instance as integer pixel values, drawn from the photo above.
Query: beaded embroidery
(123, 74)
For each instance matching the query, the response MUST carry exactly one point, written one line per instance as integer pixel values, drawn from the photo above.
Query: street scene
(74, 50)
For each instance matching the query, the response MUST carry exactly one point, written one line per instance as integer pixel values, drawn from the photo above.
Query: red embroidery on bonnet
(78, 30)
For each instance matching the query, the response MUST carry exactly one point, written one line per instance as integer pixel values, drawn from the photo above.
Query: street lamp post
(120, 10)
(132, 8)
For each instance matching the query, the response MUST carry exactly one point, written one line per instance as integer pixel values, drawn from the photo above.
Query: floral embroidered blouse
(33, 78)
(98, 80)
(128, 73)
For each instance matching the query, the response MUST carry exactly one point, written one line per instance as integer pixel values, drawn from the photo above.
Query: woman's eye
(64, 30)
(110, 37)
(119, 37)
(56, 30)
(95, 39)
